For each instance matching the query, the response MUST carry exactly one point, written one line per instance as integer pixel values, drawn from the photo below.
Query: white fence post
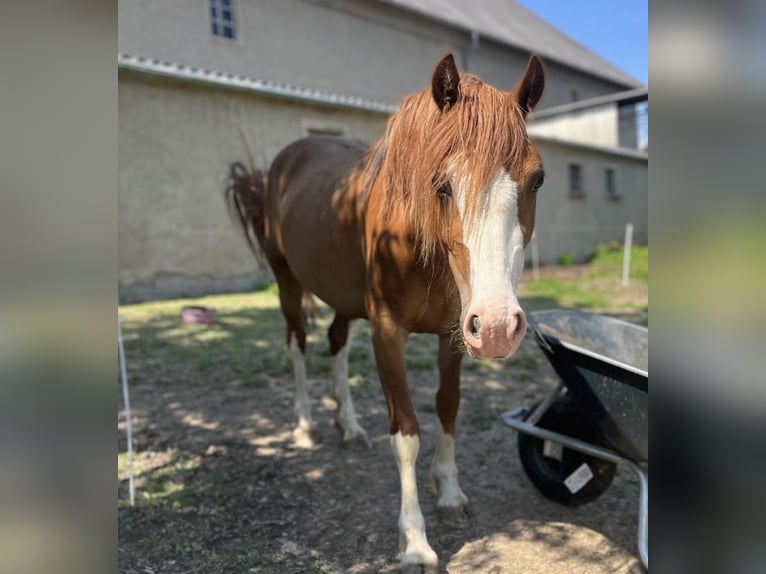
(535, 257)
(626, 255)
(128, 422)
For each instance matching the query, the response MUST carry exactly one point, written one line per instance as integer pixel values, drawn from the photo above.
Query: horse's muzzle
(492, 332)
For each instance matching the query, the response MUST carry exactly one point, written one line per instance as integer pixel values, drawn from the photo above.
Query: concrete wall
(574, 226)
(176, 140)
(597, 125)
(502, 66)
(367, 49)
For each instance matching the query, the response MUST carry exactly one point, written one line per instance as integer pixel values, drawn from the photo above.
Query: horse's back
(315, 217)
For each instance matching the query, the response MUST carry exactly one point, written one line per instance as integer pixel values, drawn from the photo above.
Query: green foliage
(608, 259)
(565, 259)
(597, 286)
(567, 294)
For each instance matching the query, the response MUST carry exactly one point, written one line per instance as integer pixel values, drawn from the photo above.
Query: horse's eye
(445, 190)
(539, 182)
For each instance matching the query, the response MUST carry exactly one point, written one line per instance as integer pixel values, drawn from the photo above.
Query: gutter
(225, 80)
(627, 97)
(617, 151)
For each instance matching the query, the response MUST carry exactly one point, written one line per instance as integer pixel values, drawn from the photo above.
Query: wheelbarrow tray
(603, 362)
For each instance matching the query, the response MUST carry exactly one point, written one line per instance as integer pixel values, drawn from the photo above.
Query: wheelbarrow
(571, 442)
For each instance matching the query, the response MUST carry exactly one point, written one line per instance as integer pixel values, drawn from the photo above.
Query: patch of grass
(160, 476)
(597, 286)
(263, 563)
(608, 257)
(566, 294)
(478, 411)
(421, 363)
(565, 259)
(317, 567)
(482, 365)
(422, 352)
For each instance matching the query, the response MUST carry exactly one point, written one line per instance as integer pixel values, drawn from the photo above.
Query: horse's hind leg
(339, 336)
(290, 295)
(452, 503)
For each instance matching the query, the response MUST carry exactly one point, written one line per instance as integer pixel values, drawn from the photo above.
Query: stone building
(196, 77)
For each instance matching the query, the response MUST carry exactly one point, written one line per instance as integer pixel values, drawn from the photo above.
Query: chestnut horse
(422, 233)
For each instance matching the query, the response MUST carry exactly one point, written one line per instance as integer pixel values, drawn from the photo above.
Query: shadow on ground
(223, 487)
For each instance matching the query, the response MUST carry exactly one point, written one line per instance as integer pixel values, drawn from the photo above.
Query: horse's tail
(245, 196)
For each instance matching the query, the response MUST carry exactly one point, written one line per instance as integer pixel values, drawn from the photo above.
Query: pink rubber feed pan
(202, 315)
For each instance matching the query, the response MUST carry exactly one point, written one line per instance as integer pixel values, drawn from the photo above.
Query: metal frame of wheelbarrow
(518, 420)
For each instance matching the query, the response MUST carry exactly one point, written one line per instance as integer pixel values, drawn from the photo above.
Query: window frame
(234, 9)
(614, 193)
(322, 127)
(579, 192)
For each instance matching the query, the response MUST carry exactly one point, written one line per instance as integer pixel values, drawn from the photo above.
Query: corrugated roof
(509, 23)
(177, 71)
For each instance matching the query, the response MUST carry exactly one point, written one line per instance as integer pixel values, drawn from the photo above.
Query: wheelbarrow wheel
(549, 468)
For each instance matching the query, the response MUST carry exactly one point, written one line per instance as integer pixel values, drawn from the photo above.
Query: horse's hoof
(356, 437)
(417, 564)
(353, 434)
(302, 438)
(455, 516)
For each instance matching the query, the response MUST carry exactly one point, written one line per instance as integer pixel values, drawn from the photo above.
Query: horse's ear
(445, 84)
(529, 89)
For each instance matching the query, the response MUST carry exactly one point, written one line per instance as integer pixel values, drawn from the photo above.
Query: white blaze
(495, 242)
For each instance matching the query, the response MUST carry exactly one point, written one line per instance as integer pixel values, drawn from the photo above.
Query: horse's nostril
(521, 326)
(475, 326)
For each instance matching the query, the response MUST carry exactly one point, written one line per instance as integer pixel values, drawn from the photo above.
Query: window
(575, 180)
(610, 183)
(321, 127)
(325, 132)
(222, 21)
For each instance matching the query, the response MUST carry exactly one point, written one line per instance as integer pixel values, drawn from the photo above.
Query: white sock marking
(346, 416)
(412, 530)
(444, 472)
(302, 404)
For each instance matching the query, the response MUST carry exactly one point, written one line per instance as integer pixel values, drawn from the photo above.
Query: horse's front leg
(388, 341)
(452, 503)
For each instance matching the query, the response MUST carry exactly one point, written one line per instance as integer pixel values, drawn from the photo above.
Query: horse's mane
(483, 131)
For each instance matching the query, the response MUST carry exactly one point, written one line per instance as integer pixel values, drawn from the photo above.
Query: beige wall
(597, 125)
(366, 49)
(502, 67)
(566, 225)
(176, 140)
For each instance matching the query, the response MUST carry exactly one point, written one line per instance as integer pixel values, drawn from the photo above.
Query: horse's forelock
(482, 132)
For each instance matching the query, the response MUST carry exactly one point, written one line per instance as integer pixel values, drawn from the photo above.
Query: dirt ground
(223, 487)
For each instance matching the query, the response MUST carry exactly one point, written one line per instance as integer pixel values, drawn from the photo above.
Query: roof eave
(194, 74)
(610, 150)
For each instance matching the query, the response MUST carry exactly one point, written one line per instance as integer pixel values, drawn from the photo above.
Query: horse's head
(492, 180)
(487, 178)
(457, 160)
